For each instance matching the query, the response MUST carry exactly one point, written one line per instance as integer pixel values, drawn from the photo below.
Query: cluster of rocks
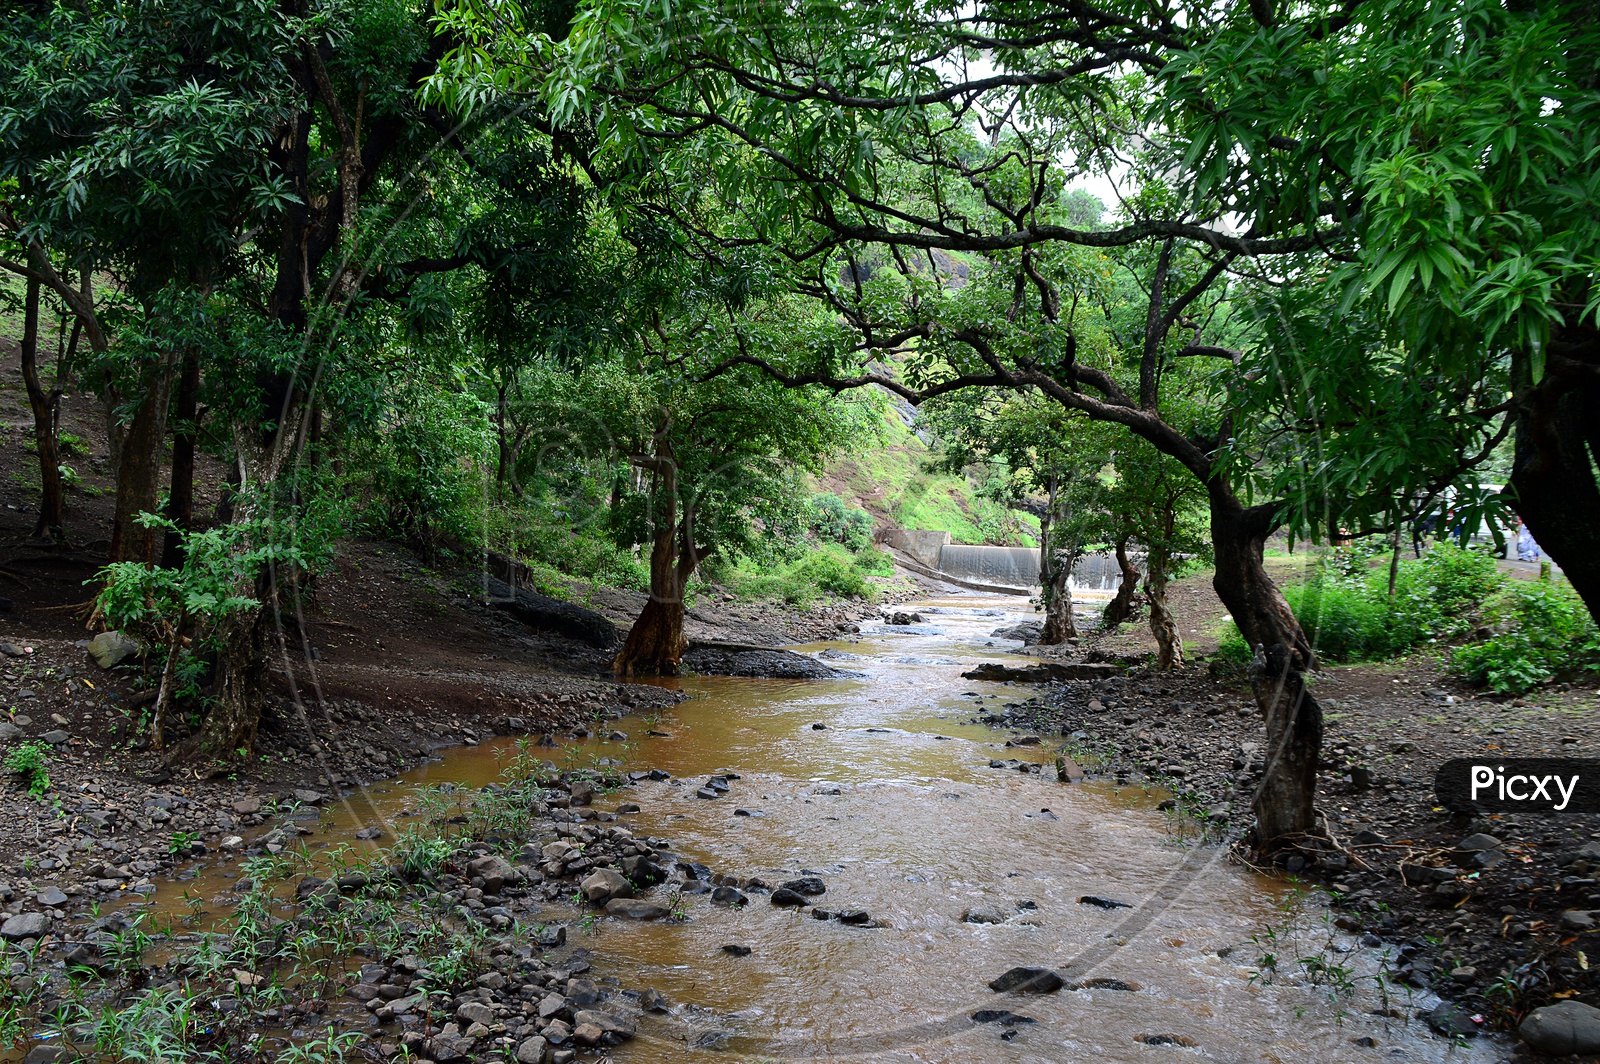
(531, 1010)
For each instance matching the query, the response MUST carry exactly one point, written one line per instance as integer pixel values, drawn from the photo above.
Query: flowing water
(895, 805)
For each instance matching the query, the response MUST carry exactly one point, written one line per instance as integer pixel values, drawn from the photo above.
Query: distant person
(1422, 529)
(1527, 549)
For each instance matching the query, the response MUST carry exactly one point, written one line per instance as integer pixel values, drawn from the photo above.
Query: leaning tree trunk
(1058, 623)
(52, 499)
(139, 474)
(1169, 643)
(1552, 472)
(656, 642)
(1120, 608)
(1285, 801)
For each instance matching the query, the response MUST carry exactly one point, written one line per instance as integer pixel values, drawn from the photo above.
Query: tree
(854, 132)
(1458, 148)
(1146, 496)
(247, 174)
(698, 467)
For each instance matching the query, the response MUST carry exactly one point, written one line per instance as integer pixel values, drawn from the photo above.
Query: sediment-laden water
(893, 802)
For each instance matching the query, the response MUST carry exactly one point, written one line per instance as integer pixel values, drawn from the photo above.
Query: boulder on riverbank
(738, 659)
(1563, 1029)
(1044, 672)
(551, 615)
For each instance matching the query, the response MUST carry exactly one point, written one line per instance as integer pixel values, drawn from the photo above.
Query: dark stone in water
(808, 885)
(1105, 984)
(819, 727)
(1004, 1017)
(1103, 903)
(1027, 980)
(737, 659)
(733, 949)
(854, 916)
(748, 812)
(1451, 1022)
(728, 896)
(785, 896)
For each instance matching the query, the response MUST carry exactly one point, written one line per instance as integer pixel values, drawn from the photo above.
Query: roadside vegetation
(1493, 630)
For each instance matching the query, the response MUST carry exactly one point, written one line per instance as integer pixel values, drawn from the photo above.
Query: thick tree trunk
(139, 475)
(237, 695)
(1059, 626)
(1121, 607)
(1169, 643)
(180, 500)
(1055, 579)
(239, 684)
(656, 642)
(1285, 801)
(52, 499)
(1557, 442)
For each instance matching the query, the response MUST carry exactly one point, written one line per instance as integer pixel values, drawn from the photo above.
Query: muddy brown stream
(894, 804)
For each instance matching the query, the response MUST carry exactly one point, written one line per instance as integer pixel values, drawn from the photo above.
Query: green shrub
(832, 572)
(424, 469)
(834, 522)
(1348, 614)
(28, 761)
(823, 570)
(1544, 631)
(870, 559)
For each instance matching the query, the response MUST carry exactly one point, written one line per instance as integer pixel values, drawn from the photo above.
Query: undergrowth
(1504, 634)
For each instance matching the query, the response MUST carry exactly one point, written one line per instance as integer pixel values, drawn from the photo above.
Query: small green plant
(28, 762)
(182, 842)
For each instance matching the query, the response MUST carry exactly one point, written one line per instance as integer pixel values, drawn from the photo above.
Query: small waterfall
(1019, 567)
(1096, 572)
(1005, 566)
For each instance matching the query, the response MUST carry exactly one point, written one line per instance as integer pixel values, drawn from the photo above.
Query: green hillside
(889, 479)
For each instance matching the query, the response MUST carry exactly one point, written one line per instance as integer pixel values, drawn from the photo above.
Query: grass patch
(817, 572)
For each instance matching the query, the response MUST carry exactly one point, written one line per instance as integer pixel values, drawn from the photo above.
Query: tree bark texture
(656, 642)
(180, 500)
(1120, 608)
(52, 498)
(1058, 622)
(1285, 800)
(1557, 445)
(1169, 643)
(139, 475)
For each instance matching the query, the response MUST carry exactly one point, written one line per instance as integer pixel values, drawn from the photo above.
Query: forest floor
(1471, 933)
